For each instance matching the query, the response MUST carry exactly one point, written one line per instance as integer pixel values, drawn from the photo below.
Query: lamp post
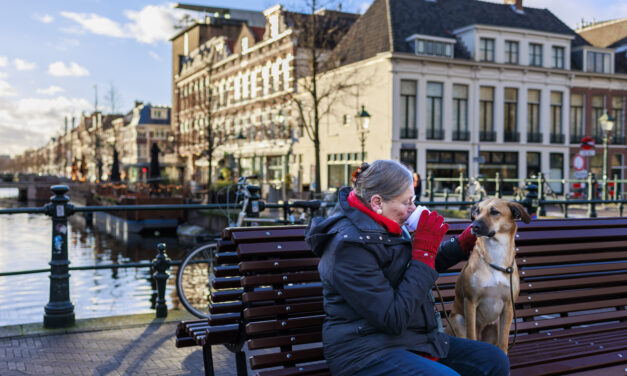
(363, 122)
(240, 142)
(607, 123)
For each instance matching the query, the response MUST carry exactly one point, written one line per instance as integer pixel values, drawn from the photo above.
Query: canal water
(25, 244)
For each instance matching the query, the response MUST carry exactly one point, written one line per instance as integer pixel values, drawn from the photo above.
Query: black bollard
(161, 264)
(59, 312)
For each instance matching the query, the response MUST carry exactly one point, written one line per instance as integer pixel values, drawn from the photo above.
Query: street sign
(579, 162)
(587, 143)
(478, 159)
(582, 174)
(587, 152)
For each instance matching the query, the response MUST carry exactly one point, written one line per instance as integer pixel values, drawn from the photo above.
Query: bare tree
(210, 129)
(318, 32)
(112, 98)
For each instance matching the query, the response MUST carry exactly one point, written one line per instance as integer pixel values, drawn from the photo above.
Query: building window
(558, 57)
(408, 158)
(535, 54)
(346, 119)
(576, 118)
(447, 164)
(618, 112)
(486, 49)
(533, 116)
(434, 111)
(556, 118)
(598, 109)
(533, 164)
(511, 112)
(511, 52)
(460, 113)
(486, 114)
(408, 109)
(433, 48)
(556, 171)
(598, 62)
(506, 163)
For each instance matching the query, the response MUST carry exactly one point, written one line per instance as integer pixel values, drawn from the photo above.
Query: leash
(509, 270)
(444, 310)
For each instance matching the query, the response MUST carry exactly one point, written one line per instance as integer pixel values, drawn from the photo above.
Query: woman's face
(399, 208)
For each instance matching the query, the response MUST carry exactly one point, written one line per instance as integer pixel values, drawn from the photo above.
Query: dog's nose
(474, 228)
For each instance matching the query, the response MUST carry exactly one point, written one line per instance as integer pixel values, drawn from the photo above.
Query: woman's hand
(428, 236)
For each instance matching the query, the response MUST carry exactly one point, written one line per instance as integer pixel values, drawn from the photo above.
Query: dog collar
(508, 270)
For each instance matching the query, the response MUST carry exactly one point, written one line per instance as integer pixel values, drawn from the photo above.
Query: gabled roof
(387, 23)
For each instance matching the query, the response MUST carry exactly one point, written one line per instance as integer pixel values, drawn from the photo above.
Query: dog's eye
(494, 212)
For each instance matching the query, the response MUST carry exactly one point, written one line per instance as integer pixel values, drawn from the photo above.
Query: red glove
(467, 240)
(428, 236)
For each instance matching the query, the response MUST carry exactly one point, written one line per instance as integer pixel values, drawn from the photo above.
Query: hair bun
(364, 166)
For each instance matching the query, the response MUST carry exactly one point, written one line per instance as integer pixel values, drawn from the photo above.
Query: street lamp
(363, 122)
(607, 124)
(240, 139)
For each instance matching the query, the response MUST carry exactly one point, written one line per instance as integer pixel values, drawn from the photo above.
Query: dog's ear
(518, 212)
(473, 212)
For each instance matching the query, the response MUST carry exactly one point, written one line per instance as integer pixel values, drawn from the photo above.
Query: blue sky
(53, 53)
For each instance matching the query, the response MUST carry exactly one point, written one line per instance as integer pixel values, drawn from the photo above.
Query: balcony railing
(618, 139)
(575, 138)
(557, 138)
(487, 136)
(461, 135)
(409, 133)
(511, 136)
(435, 134)
(534, 137)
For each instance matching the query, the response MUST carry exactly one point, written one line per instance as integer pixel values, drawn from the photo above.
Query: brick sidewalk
(142, 350)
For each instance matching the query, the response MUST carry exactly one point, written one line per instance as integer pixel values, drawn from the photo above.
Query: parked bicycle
(192, 278)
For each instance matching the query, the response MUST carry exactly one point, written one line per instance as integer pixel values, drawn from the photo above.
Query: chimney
(517, 3)
(138, 103)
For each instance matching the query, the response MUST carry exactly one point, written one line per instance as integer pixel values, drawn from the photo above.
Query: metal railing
(59, 311)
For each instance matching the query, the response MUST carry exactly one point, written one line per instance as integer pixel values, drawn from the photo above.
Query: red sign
(587, 143)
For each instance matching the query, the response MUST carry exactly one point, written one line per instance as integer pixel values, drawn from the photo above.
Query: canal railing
(59, 311)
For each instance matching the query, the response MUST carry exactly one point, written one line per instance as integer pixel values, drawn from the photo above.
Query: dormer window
(598, 62)
(430, 45)
(486, 49)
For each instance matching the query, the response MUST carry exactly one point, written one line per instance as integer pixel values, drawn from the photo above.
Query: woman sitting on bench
(377, 281)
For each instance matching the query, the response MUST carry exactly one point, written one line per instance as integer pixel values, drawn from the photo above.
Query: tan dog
(483, 305)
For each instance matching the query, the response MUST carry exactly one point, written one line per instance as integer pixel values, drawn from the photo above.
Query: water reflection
(25, 244)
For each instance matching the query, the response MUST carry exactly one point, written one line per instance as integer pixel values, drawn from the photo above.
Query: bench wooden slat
(572, 235)
(605, 371)
(284, 249)
(577, 269)
(230, 307)
(570, 295)
(226, 295)
(598, 330)
(269, 234)
(572, 258)
(286, 340)
(284, 309)
(218, 335)
(279, 265)
(530, 349)
(271, 279)
(575, 307)
(543, 249)
(220, 283)
(221, 258)
(280, 358)
(317, 369)
(287, 293)
(223, 318)
(228, 232)
(581, 362)
(261, 327)
(572, 321)
(226, 271)
(225, 245)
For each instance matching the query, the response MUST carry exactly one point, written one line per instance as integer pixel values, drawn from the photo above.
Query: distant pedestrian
(417, 185)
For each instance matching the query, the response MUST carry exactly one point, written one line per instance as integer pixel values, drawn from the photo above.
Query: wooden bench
(571, 309)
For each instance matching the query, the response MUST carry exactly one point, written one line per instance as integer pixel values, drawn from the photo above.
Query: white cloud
(30, 122)
(3, 75)
(66, 44)
(154, 55)
(23, 65)
(151, 24)
(51, 90)
(96, 24)
(46, 18)
(59, 69)
(6, 90)
(4, 61)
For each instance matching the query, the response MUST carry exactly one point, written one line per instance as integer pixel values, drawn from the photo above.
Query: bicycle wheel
(192, 280)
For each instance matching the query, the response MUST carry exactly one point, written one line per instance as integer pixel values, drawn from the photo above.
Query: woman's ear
(376, 202)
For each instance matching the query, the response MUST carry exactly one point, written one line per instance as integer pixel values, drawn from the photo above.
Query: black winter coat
(376, 298)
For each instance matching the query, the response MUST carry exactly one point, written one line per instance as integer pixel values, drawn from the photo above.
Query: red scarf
(387, 223)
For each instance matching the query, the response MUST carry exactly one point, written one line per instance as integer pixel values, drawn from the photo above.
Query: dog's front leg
(470, 313)
(505, 323)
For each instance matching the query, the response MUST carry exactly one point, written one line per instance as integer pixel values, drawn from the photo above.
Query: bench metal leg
(207, 359)
(240, 361)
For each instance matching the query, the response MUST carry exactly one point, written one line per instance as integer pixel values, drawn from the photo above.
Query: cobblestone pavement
(142, 350)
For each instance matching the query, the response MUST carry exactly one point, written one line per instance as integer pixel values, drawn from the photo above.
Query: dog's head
(496, 215)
